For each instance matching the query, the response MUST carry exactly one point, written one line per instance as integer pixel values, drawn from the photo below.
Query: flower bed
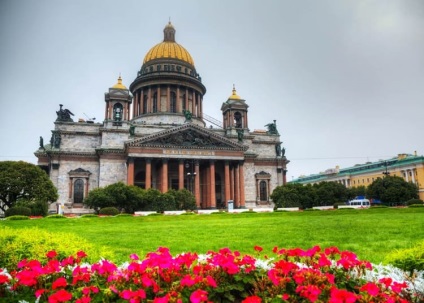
(289, 275)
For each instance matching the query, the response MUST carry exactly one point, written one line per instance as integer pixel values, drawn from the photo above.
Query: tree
(293, 195)
(24, 181)
(329, 193)
(392, 190)
(128, 198)
(184, 199)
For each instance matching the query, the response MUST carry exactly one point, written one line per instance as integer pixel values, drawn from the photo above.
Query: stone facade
(154, 135)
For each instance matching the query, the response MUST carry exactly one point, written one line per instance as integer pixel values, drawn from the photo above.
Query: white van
(359, 203)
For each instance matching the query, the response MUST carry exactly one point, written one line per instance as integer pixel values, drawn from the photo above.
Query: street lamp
(386, 173)
(191, 174)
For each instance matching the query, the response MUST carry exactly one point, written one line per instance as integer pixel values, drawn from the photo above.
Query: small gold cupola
(119, 84)
(234, 95)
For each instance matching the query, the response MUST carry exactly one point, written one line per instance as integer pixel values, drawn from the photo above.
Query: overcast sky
(343, 79)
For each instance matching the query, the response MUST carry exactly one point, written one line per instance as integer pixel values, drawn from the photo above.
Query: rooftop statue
(272, 128)
(240, 135)
(64, 115)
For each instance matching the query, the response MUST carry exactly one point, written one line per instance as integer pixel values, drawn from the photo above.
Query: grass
(370, 233)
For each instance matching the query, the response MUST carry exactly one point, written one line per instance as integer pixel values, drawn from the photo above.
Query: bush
(56, 217)
(38, 208)
(124, 215)
(416, 205)
(34, 243)
(18, 211)
(109, 211)
(409, 259)
(17, 217)
(89, 216)
(414, 202)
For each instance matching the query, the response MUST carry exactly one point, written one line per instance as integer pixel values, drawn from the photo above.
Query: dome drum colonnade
(167, 82)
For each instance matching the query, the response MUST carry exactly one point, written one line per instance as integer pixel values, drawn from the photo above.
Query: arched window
(117, 112)
(145, 104)
(78, 191)
(263, 193)
(237, 120)
(155, 103)
(173, 102)
(262, 189)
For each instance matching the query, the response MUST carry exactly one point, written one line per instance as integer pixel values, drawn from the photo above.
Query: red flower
(81, 254)
(61, 282)
(198, 296)
(258, 248)
(371, 289)
(51, 254)
(60, 296)
(252, 299)
(4, 279)
(341, 296)
(310, 292)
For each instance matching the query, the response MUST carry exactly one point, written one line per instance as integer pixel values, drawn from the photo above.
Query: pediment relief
(189, 136)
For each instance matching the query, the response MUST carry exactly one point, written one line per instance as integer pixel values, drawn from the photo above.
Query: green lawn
(370, 233)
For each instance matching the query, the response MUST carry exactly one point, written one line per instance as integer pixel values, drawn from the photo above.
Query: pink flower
(211, 281)
(252, 299)
(161, 300)
(134, 257)
(198, 296)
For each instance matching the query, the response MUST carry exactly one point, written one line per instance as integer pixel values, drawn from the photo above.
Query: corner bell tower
(234, 112)
(118, 100)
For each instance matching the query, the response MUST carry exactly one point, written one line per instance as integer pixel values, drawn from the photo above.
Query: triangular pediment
(189, 136)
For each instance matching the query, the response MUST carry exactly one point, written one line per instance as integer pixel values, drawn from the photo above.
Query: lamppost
(191, 174)
(386, 173)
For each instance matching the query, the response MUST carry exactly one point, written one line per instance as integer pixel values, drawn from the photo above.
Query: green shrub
(17, 217)
(219, 213)
(416, 205)
(34, 243)
(56, 217)
(156, 214)
(124, 215)
(414, 202)
(38, 208)
(409, 259)
(89, 216)
(109, 211)
(18, 211)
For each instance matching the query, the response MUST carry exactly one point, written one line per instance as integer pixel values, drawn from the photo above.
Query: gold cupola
(234, 95)
(168, 49)
(119, 84)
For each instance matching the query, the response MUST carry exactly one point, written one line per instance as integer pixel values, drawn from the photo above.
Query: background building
(154, 135)
(409, 167)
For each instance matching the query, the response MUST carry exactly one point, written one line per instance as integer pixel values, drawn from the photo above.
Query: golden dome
(234, 95)
(119, 85)
(168, 49)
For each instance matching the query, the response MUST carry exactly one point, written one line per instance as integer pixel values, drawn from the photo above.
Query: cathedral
(155, 135)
